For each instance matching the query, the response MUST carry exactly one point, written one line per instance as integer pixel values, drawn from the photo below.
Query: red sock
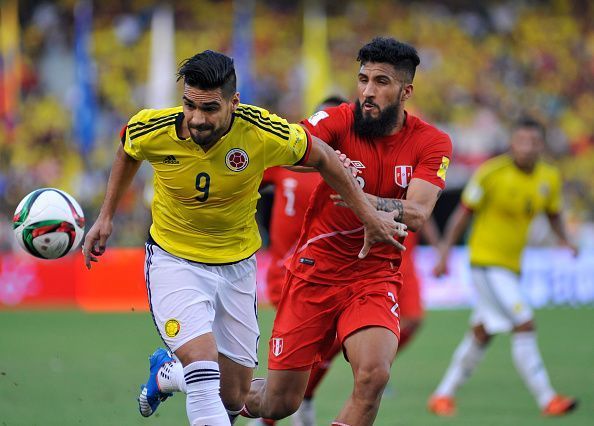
(246, 413)
(320, 369)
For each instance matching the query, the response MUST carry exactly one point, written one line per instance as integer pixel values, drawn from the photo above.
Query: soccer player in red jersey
(329, 291)
(291, 194)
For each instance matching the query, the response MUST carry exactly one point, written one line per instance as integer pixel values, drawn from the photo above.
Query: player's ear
(407, 92)
(234, 101)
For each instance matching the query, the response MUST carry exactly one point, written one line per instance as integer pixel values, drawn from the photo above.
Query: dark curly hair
(209, 70)
(401, 55)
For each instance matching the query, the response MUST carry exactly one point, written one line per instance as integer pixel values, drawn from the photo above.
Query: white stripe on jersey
(328, 235)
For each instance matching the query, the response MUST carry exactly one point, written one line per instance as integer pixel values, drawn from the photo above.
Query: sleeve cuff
(305, 156)
(466, 207)
(123, 134)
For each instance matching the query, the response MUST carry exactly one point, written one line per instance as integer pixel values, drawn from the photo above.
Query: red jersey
(332, 236)
(291, 194)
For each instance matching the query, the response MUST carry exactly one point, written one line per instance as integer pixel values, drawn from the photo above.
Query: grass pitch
(73, 368)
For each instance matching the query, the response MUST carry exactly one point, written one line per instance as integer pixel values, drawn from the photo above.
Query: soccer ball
(48, 223)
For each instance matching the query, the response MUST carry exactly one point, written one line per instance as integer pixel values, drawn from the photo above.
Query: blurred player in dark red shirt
(291, 193)
(330, 291)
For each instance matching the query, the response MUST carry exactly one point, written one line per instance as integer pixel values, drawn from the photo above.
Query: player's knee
(370, 381)
(481, 335)
(201, 348)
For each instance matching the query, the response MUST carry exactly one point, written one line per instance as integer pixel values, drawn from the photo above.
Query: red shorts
(311, 316)
(409, 297)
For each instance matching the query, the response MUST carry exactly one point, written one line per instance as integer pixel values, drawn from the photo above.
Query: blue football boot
(150, 396)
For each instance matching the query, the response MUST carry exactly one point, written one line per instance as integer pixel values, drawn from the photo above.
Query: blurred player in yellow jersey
(209, 156)
(503, 197)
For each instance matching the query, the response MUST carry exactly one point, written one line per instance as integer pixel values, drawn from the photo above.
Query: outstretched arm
(379, 226)
(123, 170)
(558, 228)
(430, 232)
(455, 227)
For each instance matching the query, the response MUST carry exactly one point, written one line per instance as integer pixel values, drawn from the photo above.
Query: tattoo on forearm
(390, 205)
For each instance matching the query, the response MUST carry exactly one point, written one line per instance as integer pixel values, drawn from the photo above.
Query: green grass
(71, 368)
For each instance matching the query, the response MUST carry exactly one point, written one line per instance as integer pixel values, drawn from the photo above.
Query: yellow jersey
(205, 202)
(504, 200)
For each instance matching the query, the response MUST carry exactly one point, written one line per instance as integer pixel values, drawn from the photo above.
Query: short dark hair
(332, 101)
(402, 56)
(530, 123)
(209, 70)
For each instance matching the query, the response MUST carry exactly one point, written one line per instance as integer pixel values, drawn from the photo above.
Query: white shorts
(189, 299)
(500, 305)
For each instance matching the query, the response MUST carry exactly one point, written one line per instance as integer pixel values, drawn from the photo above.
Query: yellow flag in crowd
(315, 54)
(9, 64)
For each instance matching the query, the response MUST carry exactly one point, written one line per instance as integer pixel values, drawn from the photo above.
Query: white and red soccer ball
(48, 223)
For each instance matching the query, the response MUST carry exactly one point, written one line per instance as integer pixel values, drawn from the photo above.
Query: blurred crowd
(483, 64)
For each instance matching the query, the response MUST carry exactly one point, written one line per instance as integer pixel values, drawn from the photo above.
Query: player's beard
(369, 127)
(207, 140)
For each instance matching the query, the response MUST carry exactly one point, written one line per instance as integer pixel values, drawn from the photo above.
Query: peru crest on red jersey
(277, 346)
(403, 175)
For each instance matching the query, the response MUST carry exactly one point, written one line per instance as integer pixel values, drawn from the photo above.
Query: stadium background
(72, 72)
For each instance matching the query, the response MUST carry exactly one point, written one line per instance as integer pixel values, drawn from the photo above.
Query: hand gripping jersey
(332, 236)
(204, 204)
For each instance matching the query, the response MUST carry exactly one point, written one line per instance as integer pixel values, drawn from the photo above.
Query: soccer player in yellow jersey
(209, 156)
(503, 196)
